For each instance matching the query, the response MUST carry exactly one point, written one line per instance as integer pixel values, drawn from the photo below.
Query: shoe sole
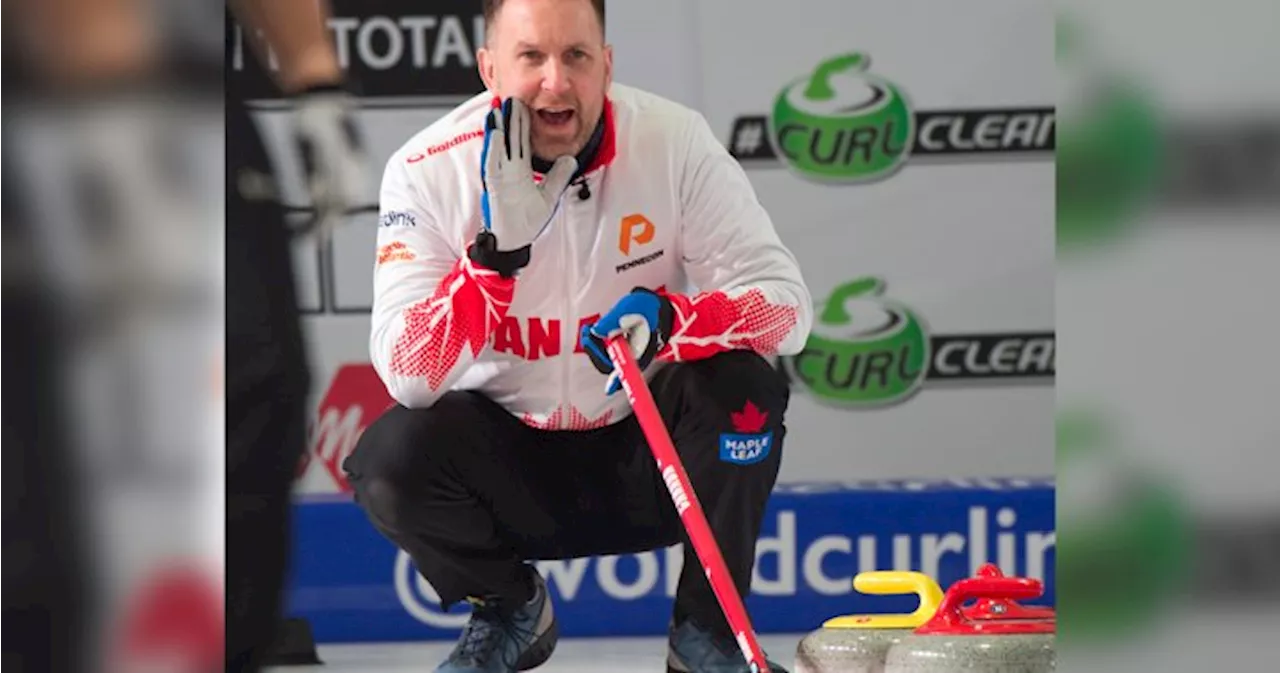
(672, 664)
(541, 649)
(678, 670)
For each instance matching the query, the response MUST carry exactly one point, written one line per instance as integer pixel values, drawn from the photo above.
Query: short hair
(491, 7)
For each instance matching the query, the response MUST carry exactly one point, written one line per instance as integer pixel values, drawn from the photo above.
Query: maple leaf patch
(750, 419)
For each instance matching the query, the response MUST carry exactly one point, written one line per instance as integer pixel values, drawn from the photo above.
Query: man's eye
(529, 54)
(577, 54)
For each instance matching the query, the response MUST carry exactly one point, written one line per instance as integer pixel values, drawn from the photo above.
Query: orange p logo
(627, 232)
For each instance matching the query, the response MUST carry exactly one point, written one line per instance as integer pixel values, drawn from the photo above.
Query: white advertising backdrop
(961, 241)
(965, 241)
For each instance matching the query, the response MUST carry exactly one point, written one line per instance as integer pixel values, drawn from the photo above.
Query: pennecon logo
(842, 123)
(866, 349)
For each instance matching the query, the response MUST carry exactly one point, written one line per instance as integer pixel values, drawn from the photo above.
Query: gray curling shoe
(499, 639)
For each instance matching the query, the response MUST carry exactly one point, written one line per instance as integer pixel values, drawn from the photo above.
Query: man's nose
(555, 77)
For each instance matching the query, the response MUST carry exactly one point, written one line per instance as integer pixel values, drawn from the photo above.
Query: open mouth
(555, 117)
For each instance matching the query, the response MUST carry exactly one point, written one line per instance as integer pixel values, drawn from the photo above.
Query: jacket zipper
(566, 366)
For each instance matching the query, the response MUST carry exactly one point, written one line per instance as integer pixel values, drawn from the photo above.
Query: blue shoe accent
(691, 649)
(500, 640)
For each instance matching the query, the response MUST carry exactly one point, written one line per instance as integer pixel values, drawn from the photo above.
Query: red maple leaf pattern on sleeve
(750, 420)
(464, 312)
(713, 322)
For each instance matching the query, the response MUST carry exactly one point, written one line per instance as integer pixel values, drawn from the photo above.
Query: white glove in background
(332, 155)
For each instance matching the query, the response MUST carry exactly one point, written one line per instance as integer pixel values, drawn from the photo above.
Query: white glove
(332, 154)
(516, 209)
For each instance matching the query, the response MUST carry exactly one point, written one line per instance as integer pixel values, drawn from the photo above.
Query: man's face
(551, 55)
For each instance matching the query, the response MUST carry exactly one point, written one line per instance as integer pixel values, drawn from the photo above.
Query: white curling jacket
(667, 208)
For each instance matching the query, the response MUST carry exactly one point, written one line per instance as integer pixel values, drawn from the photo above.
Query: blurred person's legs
(111, 273)
(267, 385)
(46, 565)
(50, 623)
(267, 371)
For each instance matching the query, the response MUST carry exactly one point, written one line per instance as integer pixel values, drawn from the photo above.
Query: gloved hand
(516, 209)
(332, 153)
(645, 317)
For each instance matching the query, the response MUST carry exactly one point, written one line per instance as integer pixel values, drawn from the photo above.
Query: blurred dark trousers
(46, 564)
(47, 582)
(267, 384)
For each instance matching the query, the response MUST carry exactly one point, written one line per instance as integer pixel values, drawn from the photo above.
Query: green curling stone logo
(864, 349)
(840, 123)
(1110, 148)
(1129, 533)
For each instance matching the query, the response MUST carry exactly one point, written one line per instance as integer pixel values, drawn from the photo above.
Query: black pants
(267, 383)
(470, 492)
(48, 584)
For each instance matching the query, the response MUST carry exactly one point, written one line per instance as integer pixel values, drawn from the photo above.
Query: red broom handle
(686, 502)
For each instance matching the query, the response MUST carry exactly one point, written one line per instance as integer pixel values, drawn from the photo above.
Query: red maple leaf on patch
(750, 419)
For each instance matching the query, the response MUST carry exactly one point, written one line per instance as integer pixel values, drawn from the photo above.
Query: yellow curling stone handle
(892, 583)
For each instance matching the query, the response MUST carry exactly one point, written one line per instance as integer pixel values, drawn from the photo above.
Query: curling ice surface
(573, 655)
